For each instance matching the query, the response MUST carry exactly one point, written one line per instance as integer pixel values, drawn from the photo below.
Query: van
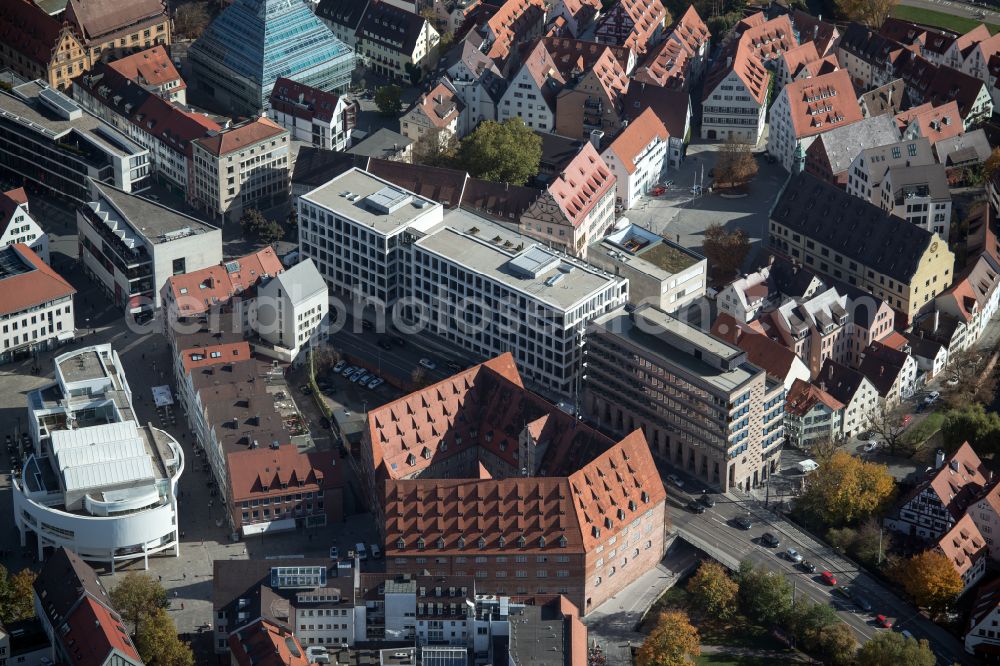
(360, 549)
(376, 552)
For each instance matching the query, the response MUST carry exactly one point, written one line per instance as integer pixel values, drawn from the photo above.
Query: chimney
(937, 319)
(729, 61)
(939, 459)
(822, 387)
(815, 31)
(595, 138)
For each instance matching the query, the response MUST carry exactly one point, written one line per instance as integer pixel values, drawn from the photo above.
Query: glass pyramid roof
(261, 40)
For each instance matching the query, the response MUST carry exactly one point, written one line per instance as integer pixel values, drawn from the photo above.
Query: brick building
(476, 476)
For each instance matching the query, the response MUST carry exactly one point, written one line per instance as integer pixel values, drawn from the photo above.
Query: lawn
(936, 19)
(924, 429)
(733, 660)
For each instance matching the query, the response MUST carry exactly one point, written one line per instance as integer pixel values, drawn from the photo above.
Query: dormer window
(562, 541)
(420, 543)
(440, 543)
(482, 542)
(400, 544)
(461, 541)
(521, 541)
(502, 541)
(541, 541)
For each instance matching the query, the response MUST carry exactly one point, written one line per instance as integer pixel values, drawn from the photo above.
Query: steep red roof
(152, 66)
(631, 23)
(240, 136)
(200, 290)
(636, 136)
(665, 66)
(254, 470)
(9, 203)
(803, 396)
(768, 39)
(584, 181)
(690, 30)
(203, 356)
(95, 632)
(960, 480)
(769, 355)
(441, 106)
(940, 122)
(510, 23)
(740, 59)
(822, 103)
(36, 285)
(265, 643)
(963, 545)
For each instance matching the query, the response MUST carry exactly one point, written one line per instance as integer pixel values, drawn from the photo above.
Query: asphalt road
(716, 529)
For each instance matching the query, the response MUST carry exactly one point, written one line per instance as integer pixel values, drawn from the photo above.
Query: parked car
(808, 567)
(932, 397)
(696, 507)
(357, 373)
(770, 540)
(363, 378)
(375, 383)
(861, 601)
(673, 478)
(348, 371)
(828, 578)
(306, 389)
(341, 364)
(793, 555)
(707, 500)
(871, 446)
(883, 621)
(744, 523)
(427, 363)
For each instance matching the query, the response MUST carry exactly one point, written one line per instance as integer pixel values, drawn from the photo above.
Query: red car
(883, 621)
(907, 419)
(828, 578)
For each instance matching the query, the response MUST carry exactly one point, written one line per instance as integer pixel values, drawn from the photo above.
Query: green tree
(414, 72)
(16, 595)
(930, 580)
(725, 250)
(837, 645)
(972, 424)
(158, 644)
(887, 648)
(389, 100)
(138, 597)
(713, 591)
(992, 164)
(846, 490)
(765, 596)
(502, 152)
(256, 226)
(807, 620)
(673, 642)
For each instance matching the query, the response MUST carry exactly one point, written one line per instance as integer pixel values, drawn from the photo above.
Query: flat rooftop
(83, 366)
(620, 324)
(514, 260)
(537, 640)
(371, 201)
(635, 242)
(50, 112)
(156, 223)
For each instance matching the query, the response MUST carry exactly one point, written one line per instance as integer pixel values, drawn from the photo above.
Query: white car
(932, 397)
(793, 555)
(340, 366)
(871, 446)
(427, 363)
(676, 481)
(375, 383)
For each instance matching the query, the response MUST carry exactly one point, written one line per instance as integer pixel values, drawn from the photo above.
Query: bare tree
(191, 19)
(735, 164)
(870, 13)
(887, 425)
(966, 381)
(725, 250)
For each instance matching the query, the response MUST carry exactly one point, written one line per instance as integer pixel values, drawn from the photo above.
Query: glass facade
(254, 42)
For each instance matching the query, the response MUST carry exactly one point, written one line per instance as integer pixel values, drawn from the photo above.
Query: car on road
(340, 366)
(696, 507)
(932, 397)
(871, 446)
(334, 553)
(375, 383)
(828, 578)
(675, 480)
(306, 389)
(348, 371)
(657, 191)
(861, 600)
(770, 540)
(454, 367)
(907, 420)
(793, 555)
(744, 523)
(707, 500)
(883, 621)
(808, 567)
(384, 344)
(427, 363)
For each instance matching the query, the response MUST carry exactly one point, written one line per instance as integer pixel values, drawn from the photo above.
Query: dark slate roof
(500, 201)
(839, 381)
(558, 150)
(855, 228)
(393, 27)
(789, 279)
(318, 166)
(670, 106)
(436, 183)
(867, 44)
(63, 581)
(342, 12)
(951, 84)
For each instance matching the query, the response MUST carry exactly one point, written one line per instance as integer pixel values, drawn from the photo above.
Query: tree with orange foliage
(673, 642)
(930, 580)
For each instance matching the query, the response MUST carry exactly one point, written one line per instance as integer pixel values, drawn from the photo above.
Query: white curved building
(99, 483)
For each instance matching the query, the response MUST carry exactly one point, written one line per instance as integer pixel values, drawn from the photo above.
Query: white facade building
(321, 118)
(131, 245)
(17, 225)
(735, 102)
(99, 483)
(531, 94)
(638, 158)
(36, 304)
(920, 195)
(291, 311)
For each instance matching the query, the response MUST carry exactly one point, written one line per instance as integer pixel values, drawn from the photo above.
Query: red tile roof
(302, 101)
(690, 31)
(573, 56)
(203, 356)
(940, 122)
(822, 103)
(28, 30)
(640, 17)
(767, 39)
(739, 58)
(800, 56)
(510, 24)
(241, 136)
(769, 355)
(803, 396)
(584, 181)
(200, 290)
(959, 481)
(665, 66)
(39, 284)
(265, 643)
(254, 470)
(963, 545)
(152, 66)
(95, 632)
(441, 106)
(10, 201)
(636, 137)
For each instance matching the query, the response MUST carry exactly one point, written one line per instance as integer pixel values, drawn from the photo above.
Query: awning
(282, 525)
(162, 396)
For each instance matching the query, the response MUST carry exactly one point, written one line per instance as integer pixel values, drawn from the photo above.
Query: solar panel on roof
(232, 266)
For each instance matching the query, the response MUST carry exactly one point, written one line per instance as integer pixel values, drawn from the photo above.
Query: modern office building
(240, 167)
(47, 141)
(477, 476)
(36, 304)
(98, 482)
(703, 407)
(235, 63)
(131, 245)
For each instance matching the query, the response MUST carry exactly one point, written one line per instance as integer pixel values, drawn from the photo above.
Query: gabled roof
(346, 13)
(769, 355)
(34, 282)
(95, 19)
(254, 470)
(970, 147)
(636, 136)
(96, 636)
(843, 144)
(543, 71)
(886, 99)
(814, 30)
(797, 57)
(882, 365)
(446, 186)
(64, 580)
(199, 291)
(302, 101)
(974, 288)
(666, 65)
(510, 24)
(936, 122)
(912, 34)
(392, 27)
(573, 56)
(841, 382)
(957, 482)
(963, 545)
(266, 643)
(952, 85)
(583, 183)
(803, 396)
(152, 67)
(822, 103)
(241, 136)
(631, 23)
(740, 60)
(671, 106)
(767, 40)
(441, 106)
(28, 30)
(690, 30)
(987, 600)
(10, 201)
(866, 44)
(855, 228)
